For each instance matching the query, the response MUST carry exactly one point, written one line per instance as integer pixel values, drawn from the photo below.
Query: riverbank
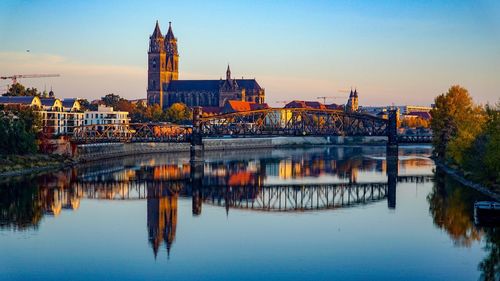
(458, 176)
(16, 165)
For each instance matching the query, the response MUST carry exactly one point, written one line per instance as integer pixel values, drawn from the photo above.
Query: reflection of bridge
(291, 197)
(264, 122)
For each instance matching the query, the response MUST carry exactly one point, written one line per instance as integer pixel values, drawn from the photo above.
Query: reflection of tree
(451, 207)
(20, 206)
(490, 266)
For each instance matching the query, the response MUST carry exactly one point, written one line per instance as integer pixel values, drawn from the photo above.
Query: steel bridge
(293, 122)
(255, 123)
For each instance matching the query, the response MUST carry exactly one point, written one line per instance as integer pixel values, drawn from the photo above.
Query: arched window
(153, 64)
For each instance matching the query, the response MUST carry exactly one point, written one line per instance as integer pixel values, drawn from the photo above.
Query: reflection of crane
(16, 76)
(332, 97)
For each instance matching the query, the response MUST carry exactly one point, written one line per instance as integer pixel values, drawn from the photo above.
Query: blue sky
(402, 52)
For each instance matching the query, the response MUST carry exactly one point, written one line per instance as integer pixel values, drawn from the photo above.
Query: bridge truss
(293, 122)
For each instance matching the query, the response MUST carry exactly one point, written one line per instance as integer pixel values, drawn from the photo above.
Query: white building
(106, 116)
(61, 117)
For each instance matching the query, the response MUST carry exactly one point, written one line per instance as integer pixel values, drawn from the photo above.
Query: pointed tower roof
(157, 31)
(170, 33)
(355, 93)
(228, 73)
(351, 94)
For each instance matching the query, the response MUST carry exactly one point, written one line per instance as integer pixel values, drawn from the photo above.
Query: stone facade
(165, 88)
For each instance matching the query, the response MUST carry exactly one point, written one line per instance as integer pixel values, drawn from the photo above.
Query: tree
(179, 113)
(455, 123)
(18, 129)
(86, 105)
(482, 159)
(17, 89)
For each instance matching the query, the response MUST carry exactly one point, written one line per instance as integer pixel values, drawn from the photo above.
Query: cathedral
(165, 88)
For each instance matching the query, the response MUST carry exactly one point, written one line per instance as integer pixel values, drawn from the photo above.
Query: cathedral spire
(228, 73)
(170, 33)
(157, 31)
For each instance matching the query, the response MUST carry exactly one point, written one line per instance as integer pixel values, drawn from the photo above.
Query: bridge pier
(392, 128)
(197, 149)
(392, 175)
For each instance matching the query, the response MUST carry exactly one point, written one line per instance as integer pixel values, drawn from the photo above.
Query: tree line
(18, 131)
(467, 136)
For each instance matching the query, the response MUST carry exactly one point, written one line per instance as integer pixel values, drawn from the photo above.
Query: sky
(393, 52)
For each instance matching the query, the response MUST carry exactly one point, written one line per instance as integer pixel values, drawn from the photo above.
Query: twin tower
(163, 63)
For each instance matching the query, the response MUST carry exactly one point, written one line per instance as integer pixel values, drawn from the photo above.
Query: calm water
(316, 214)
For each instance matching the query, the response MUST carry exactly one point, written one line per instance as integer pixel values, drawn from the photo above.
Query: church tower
(352, 102)
(163, 60)
(172, 67)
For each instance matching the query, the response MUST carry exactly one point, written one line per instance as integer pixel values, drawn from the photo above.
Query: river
(323, 213)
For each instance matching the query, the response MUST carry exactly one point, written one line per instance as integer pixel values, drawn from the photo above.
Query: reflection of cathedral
(162, 217)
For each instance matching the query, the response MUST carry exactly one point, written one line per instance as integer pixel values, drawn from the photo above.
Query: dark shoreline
(458, 176)
(53, 164)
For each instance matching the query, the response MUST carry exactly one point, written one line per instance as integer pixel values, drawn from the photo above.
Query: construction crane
(17, 76)
(332, 97)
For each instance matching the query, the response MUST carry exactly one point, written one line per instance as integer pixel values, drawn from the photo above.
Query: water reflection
(261, 180)
(451, 206)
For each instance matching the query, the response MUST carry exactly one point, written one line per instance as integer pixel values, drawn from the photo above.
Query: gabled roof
(48, 102)
(248, 84)
(17, 99)
(209, 85)
(193, 85)
(239, 106)
(305, 104)
(68, 102)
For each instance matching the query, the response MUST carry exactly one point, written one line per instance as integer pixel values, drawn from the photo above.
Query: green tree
(482, 159)
(17, 89)
(86, 105)
(18, 129)
(111, 100)
(455, 123)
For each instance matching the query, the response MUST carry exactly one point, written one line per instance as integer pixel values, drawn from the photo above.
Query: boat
(487, 213)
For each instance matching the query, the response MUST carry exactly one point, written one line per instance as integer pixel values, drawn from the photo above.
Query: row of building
(60, 117)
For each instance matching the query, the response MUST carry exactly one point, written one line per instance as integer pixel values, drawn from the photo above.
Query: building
(352, 102)
(141, 102)
(33, 102)
(60, 117)
(407, 109)
(165, 88)
(312, 105)
(106, 116)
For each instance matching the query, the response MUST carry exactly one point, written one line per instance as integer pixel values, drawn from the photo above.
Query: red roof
(239, 106)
